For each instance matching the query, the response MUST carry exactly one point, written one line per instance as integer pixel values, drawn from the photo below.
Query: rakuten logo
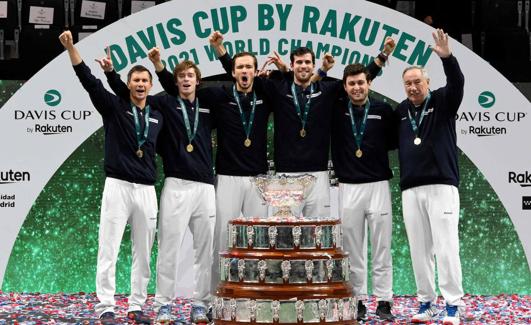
(11, 176)
(523, 179)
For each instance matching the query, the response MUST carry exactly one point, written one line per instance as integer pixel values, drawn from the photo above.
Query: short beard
(304, 80)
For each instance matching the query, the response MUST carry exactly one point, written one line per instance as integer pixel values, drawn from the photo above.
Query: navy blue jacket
(177, 162)
(294, 153)
(434, 161)
(121, 144)
(232, 157)
(380, 137)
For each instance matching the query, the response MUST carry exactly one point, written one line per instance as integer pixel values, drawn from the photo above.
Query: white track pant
(317, 199)
(185, 204)
(361, 204)
(431, 216)
(235, 195)
(124, 202)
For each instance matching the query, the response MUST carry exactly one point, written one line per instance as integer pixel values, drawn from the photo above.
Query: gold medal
(247, 142)
(417, 141)
(140, 153)
(359, 153)
(189, 147)
(302, 133)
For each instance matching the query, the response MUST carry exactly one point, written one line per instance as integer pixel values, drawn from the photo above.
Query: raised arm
(455, 81)
(67, 41)
(154, 57)
(379, 61)
(166, 78)
(216, 41)
(388, 48)
(326, 65)
(102, 99)
(374, 67)
(113, 78)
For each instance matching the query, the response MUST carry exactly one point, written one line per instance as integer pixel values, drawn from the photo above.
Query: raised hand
(277, 61)
(441, 44)
(216, 41)
(68, 42)
(328, 62)
(389, 45)
(106, 62)
(154, 55)
(263, 70)
(216, 38)
(66, 39)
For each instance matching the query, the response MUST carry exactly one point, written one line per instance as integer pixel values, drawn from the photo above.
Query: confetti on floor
(61, 308)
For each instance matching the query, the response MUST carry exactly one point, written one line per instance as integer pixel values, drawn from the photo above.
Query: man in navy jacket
(241, 113)
(429, 177)
(187, 198)
(363, 132)
(131, 130)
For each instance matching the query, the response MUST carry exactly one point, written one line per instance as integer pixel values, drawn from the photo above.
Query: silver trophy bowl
(283, 191)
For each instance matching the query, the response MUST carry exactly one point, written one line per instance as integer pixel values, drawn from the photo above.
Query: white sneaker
(427, 312)
(452, 316)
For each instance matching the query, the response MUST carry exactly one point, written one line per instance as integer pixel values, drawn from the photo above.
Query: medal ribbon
(414, 125)
(191, 134)
(304, 115)
(141, 138)
(247, 125)
(359, 135)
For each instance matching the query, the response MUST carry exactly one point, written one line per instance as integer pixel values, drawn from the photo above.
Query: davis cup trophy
(284, 269)
(283, 192)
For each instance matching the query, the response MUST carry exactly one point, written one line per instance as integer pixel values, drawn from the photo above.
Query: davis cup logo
(52, 97)
(51, 120)
(486, 99)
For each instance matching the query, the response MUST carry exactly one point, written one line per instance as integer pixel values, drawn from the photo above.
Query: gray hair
(423, 71)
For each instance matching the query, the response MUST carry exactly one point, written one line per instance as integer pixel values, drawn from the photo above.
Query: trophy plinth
(284, 270)
(283, 192)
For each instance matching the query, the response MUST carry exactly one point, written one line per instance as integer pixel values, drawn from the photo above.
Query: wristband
(321, 73)
(382, 57)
